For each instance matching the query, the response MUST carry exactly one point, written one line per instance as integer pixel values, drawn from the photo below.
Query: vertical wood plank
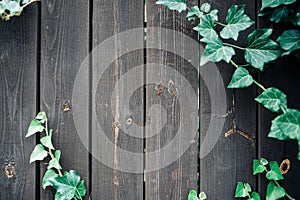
(230, 160)
(18, 95)
(112, 111)
(164, 109)
(65, 44)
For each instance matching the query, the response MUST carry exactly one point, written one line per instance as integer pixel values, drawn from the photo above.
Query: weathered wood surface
(115, 115)
(18, 104)
(64, 46)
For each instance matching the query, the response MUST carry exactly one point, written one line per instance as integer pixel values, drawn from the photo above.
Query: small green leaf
(206, 27)
(215, 51)
(38, 153)
(275, 3)
(255, 196)
(296, 20)
(193, 195)
(273, 99)
(236, 21)
(263, 161)
(289, 40)
(289, 123)
(274, 192)
(280, 14)
(202, 196)
(178, 5)
(258, 167)
(276, 133)
(41, 116)
(214, 14)
(274, 173)
(261, 49)
(194, 13)
(205, 7)
(49, 175)
(46, 141)
(13, 7)
(54, 162)
(68, 186)
(240, 78)
(34, 127)
(241, 190)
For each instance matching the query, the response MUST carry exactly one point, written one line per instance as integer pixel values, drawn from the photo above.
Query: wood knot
(129, 121)
(159, 89)
(285, 166)
(66, 106)
(9, 169)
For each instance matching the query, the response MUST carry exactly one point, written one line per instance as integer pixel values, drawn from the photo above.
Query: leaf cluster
(10, 8)
(68, 185)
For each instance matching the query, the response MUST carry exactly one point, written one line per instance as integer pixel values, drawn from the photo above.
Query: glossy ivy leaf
(276, 133)
(205, 7)
(69, 186)
(289, 40)
(34, 127)
(202, 196)
(242, 190)
(273, 99)
(47, 141)
(178, 5)
(261, 49)
(38, 153)
(194, 13)
(49, 175)
(289, 123)
(236, 21)
(275, 3)
(258, 167)
(54, 162)
(206, 27)
(215, 51)
(214, 14)
(240, 78)
(274, 173)
(280, 14)
(296, 20)
(254, 196)
(274, 192)
(193, 195)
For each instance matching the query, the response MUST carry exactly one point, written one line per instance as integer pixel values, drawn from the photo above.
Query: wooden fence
(40, 54)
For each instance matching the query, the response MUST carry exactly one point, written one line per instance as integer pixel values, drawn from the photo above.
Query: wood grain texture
(65, 44)
(18, 76)
(230, 160)
(112, 109)
(166, 102)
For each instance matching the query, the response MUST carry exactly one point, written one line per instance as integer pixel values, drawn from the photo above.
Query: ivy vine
(11, 8)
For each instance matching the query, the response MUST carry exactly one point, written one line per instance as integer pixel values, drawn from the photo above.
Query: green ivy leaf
(241, 190)
(25, 1)
(255, 196)
(205, 7)
(47, 141)
(258, 167)
(206, 27)
(202, 196)
(274, 192)
(289, 123)
(193, 195)
(273, 99)
(68, 185)
(296, 20)
(275, 3)
(215, 51)
(178, 5)
(276, 133)
(194, 13)
(274, 173)
(280, 14)
(41, 116)
(261, 49)
(49, 175)
(236, 21)
(240, 78)
(12, 6)
(38, 153)
(34, 127)
(54, 162)
(289, 40)
(2, 8)
(214, 14)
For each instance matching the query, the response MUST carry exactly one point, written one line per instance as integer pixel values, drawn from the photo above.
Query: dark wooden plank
(231, 158)
(117, 113)
(18, 95)
(167, 110)
(65, 44)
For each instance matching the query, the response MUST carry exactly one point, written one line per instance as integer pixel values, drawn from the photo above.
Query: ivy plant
(193, 195)
(68, 184)
(10, 8)
(260, 50)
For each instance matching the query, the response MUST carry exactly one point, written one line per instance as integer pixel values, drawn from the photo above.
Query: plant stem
(78, 194)
(219, 23)
(286, 194)
(234, 46)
